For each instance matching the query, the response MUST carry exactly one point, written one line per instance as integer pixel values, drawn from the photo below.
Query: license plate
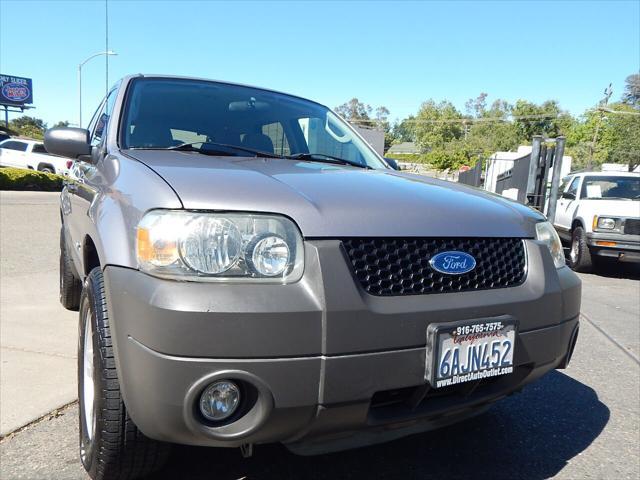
(468, 351)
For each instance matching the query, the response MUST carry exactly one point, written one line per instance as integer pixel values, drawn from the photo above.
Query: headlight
(605, 223)
(547, 234)
(219, 246)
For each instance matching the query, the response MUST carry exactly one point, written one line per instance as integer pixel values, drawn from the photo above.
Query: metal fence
(525, 179)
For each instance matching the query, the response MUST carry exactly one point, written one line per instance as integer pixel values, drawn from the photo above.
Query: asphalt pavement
(583, 422)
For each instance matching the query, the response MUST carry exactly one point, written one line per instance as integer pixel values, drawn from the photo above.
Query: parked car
(31, 154)
(248, 270)
(598, 213)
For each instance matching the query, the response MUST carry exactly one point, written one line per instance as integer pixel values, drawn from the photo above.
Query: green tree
(28, 126)
(491, 129)
(631, 95)
(624, 132)
(403, 131)
(360, 114)
(356, 112)
(476, 107)
(618, 139)
(382, 123)
(451, 155)
(546, 119)
(61, 123)
(437, 124)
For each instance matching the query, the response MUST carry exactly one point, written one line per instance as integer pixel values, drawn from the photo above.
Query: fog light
(219, 400)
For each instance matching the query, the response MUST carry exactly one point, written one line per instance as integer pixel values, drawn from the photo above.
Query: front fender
(126, 190)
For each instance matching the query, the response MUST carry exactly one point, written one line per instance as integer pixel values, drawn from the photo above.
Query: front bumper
(322, 356)
(623, 247)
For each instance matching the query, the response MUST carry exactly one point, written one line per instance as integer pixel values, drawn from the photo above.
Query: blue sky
(396, 54)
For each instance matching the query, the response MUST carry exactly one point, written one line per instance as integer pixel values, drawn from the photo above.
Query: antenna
(106, 46)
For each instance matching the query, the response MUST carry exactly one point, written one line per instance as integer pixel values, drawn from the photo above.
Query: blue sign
(453, 263)
(15, 90)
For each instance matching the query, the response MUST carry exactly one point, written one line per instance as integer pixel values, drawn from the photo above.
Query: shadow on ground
(530, 435)
(614, 269)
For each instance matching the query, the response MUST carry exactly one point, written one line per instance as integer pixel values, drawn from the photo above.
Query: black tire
(115, 449)
(579, 255)
(70, 285)
(47, 170)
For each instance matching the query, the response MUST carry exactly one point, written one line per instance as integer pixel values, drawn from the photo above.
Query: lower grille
(411, 402)
(632, 226)
(400, 266)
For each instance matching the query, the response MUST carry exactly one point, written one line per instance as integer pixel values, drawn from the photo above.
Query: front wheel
(580, 256)
(111, 446)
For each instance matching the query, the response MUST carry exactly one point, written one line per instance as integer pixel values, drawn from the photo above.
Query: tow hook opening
(246, 450)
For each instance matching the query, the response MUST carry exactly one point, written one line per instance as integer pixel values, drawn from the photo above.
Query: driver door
(78, 192)
(567, 204)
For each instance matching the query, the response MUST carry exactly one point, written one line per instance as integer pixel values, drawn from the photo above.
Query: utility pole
(603, 103)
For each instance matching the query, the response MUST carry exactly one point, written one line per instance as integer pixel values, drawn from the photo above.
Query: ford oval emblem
(452, 263)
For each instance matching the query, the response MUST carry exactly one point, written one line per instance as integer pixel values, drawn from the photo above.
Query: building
(373, 136)
(501, 162)
(404, 148)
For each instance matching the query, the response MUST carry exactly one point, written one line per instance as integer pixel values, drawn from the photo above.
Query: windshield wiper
(257, 153)
(189, 147)
(316, 157)
(323, 157)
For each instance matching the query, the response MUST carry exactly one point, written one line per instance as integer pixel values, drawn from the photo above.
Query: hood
(339, 201)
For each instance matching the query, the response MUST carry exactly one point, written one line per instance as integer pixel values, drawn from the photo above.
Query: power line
(621, 112)
(473, 120)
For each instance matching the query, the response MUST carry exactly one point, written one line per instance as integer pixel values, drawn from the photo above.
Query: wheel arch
(42, 165)
(91, 257)
(577, 222)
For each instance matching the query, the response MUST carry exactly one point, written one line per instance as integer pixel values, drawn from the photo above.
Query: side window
(102, 119)
(20, 146)
(573, 188)
(38, 148)
(276, 133)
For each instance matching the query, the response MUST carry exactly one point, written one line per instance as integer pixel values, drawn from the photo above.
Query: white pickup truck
(599, 213)
(31, 154)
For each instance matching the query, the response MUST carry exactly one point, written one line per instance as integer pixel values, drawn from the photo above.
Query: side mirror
(68, 142)
(392, 163)
(569, 195)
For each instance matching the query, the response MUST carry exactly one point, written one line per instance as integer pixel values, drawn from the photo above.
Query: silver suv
(248, 270)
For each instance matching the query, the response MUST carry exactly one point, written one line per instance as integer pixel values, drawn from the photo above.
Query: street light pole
(80, 65)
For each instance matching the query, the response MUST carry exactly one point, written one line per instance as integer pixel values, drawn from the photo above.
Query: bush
(21, 179)
(408, 157)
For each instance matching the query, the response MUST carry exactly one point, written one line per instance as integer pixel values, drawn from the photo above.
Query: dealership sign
(15, 90)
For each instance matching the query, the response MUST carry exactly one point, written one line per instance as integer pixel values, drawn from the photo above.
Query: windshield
(611, 187)
(165, 113)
